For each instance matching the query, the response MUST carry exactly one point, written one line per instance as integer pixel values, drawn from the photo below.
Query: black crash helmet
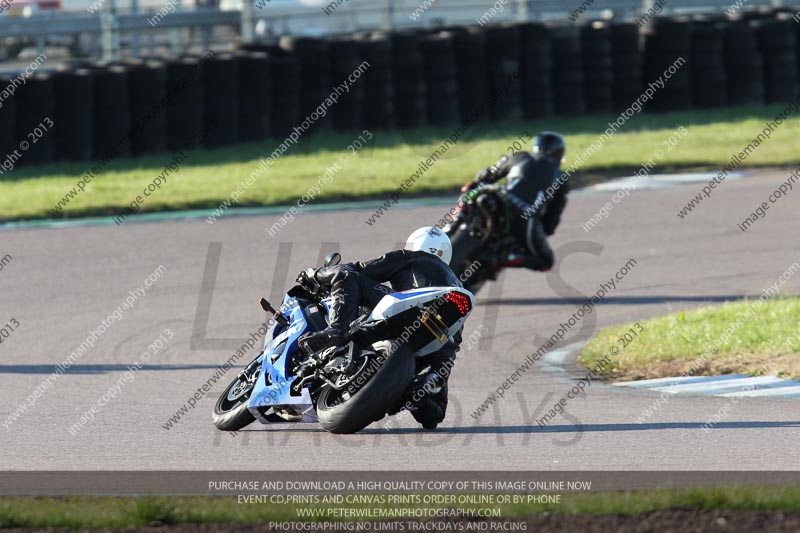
(549, 146)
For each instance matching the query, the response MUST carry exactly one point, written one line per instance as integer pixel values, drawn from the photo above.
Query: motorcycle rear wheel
(339, 414)
(464, 246)
(464, 253)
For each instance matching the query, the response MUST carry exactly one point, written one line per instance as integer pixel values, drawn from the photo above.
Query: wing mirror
(332, 259)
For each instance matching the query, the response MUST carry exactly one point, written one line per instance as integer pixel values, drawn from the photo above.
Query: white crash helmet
(431, 240)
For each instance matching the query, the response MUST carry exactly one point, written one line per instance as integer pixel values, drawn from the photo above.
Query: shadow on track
(291, 427)
(583, 428)
(97, 369)
(618, 300)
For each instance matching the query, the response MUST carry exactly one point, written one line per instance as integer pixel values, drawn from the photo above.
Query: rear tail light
(461, 301)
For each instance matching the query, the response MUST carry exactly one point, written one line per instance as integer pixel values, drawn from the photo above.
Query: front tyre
(339, 412)
(231, 412)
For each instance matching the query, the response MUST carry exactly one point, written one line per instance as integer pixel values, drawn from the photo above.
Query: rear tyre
(369, 404)
(474, 283)
(464, 246)
(230, 411)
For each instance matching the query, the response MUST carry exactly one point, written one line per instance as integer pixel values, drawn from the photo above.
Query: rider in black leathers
(536, 194)
(424, 263)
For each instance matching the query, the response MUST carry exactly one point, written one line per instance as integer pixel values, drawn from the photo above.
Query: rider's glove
(469, 186)
(308, 279)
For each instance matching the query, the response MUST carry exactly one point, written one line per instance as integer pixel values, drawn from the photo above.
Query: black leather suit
(355, 284)
(535, 211)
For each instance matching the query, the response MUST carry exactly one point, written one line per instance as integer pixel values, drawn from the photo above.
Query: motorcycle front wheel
(230, 411)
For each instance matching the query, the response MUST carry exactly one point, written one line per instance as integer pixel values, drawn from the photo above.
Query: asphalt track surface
(62, 282)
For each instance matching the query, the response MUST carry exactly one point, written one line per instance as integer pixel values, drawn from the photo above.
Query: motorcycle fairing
(274, 369)
(273, 386)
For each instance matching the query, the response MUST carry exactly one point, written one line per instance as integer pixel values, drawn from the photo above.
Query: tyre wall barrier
(221, 100)
(409, 79)
(111, 118)
(72, 118)
(8, 122)
(147, 89)
(185, 102)
(344, 59)
(412, 78)
(35, 102)
(627, 62)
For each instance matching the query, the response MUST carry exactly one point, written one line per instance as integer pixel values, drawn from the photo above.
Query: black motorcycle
(480, 236)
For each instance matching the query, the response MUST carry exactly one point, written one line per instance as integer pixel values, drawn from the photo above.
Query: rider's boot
(426, 383)
(523, 260)
(336, 334)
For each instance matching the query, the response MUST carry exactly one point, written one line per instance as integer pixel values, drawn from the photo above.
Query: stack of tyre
(281, 92)
(378, 105)
(626, 60)
(8, 121)
(441, 79)
(111, 121)
(743, 66)
(568, 78)
(72, 118)
(471, 73)
(408, 75)
(709, 78)
(184, 103)
(35, 103)
(598, 73)
(147, 104)
(777, 43)
(667, 52)
(255, 96)
(312, 53)
(796, 40)
(503, 63)
(221, 100)
(285, 88)
(344, 60)
(536, 70)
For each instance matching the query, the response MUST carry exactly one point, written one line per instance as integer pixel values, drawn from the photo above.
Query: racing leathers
(536, 195)
(356, 284)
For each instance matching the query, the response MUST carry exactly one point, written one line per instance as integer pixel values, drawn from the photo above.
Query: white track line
(785, 392)
(683, 380)
(727, 385)
(658, 181)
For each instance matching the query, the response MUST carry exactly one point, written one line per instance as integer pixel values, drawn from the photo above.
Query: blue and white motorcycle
(344, 388)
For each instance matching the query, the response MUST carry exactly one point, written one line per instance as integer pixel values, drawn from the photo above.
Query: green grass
(682, 342)
(121, 512)
(210, 176)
